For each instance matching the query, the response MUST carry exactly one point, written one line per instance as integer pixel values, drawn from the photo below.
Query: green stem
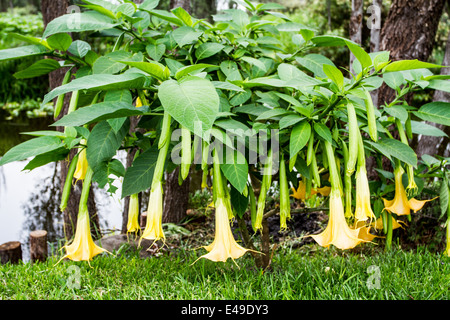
(85, 191)
(389, 231)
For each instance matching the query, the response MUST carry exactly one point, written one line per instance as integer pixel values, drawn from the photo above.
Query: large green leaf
(238, 201)
(195, 67)
(40, 68)
(31, 148)
(425, 129)
(78, 22)
(437, 112)
(409, 65)
(139, 176)
(235, 169)
(185, 35)
(323, 131)
(153, 68)
(299, 137)
(60, 41)
(359, 53)
(103, 143)
(314, 63)
(99, 82)
(21, 52)
(397, 149)
(193, 102)
(334, 74)
(208, 49)
(110, 63)
(100, 111)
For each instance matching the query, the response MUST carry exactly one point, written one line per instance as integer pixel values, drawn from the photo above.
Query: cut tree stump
(10, 252)
(38, 245)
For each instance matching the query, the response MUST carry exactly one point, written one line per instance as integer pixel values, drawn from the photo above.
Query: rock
(121, 241)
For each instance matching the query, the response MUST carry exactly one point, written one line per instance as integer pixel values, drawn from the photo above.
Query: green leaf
(329, 41)
(290, 120)
(409, 65)
(359, 53)
(183, 15)
(79, 48)
(185, 35)
(38, 69)
(335, 75)
(31, 148)
(314, 63)
(208, 49)
(394, 79)
(167, 16)
(60, 41)
(195, 67)
(193, 102)
(99, 112)
(153, 68)
(103, 143)
(48, 157)
(235, 169)
(149, 4)
(437, 112)
(119, 96)
(426, 129)
(276, 112)
(79, 22)
(139, 176)
(398, 112)
(225, 85)
(110, 63)
(238, 201)
(155, 51)
(299, 137)
(397, 149)
(240, 98)
(22, 52)
(323, 131)
(99, 82)
(439, 84)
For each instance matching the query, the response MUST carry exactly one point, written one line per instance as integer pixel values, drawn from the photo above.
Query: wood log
(38, 246)
(10, 252)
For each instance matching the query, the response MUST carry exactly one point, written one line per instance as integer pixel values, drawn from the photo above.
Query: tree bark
(185, 4)
(51, 10)
(356, 20)
(38, 245)
(10, 252)
(409, 33)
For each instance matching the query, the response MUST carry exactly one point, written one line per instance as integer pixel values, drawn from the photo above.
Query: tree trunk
(51, 10)
(375, 29)
(38, 245)
(409, 33)
(10, 252)
(437, 145)
(185, 4)
(356, 20)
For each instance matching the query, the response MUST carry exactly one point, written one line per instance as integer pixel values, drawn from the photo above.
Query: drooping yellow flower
(300, 193)
(447, 248)
(378, 224)
(337, 232)
(82, 164)
(363, 209)
(138, 103)
(153, 228)
(400, 205)
(325, 191)
(133, 214)
(224, 245)
(82, 248)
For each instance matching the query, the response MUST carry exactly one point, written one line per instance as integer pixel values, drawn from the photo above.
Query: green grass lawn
(310, 272)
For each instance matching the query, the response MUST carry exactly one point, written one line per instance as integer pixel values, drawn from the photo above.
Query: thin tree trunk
(356, 20)
(375, 30)
(51, 10)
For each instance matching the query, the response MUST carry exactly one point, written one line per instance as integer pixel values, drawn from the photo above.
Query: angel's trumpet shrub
(224, 245)
(83, 248)
(337, 232)
(133, 214)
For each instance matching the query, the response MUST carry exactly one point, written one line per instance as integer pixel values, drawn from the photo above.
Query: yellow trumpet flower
(400, 205)
(378, 224)
(300, 193)
(153, 228)
(224, 245)
(82, 247)
(363, 209)
(337, 232)
(82, 164)
(138, 103)
(133, 214)
(447, 248)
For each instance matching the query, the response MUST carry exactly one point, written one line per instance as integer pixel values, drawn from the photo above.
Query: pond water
(29, 200)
